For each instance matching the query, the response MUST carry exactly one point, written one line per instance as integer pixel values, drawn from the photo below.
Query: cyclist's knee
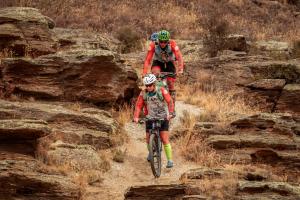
(164, 135)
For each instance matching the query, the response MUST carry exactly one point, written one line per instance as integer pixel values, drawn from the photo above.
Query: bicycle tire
(155, 156)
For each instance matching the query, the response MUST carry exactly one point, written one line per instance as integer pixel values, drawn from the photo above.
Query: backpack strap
(158, 93)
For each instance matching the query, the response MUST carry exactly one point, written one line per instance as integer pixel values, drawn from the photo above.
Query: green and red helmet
(163, 35)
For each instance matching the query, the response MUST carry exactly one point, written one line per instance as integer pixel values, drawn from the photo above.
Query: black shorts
(169, 67)
(164, 125)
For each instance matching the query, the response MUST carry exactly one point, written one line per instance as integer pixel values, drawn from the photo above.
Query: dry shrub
(217, 29)
(6, 53)
(124, 114)
(119, 155)
(219, 106)
(181, 17)
(131, 40)
(188, 120)
(219, 188)
(193, 148)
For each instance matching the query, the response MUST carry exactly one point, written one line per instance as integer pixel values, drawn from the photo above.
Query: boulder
(23, 129)
(257, 79)
(156, 192)
(96, 76)
(25, 179)
(19, 137)
(262, 138)
(289, 99)
(25, 32)
(203, 173)
(282, 188)
(264, 93)
(91, 126)
(78, 157)
(275, 49)
(236, 43)
(240, 182)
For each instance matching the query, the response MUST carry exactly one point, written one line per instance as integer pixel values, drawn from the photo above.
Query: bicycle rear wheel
(155, 155)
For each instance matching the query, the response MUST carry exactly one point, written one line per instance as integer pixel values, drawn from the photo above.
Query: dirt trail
(136, 170)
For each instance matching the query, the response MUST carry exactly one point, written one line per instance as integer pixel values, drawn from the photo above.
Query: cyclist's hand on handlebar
(169, 117)
(180, 71)
(136, 120)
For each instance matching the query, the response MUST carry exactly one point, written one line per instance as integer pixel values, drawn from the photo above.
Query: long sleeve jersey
(154, 50)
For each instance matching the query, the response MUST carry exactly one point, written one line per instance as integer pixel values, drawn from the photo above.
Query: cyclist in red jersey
(166, 53)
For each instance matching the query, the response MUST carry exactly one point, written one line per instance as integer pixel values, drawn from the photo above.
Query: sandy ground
(136, 170)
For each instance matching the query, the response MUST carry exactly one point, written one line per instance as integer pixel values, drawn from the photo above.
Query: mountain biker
(154, 37)
(165, 53)
(157, 104)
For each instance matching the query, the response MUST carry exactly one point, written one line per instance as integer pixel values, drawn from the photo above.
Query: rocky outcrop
(289, 99)
(21, 176)
(23, 129)
(25, 32)
(236, 43)
(78, 157)
(91, 126)
(96, 76)
(239, 183)
(264, 93)
(19, 137)
(275, 49)
(262, 138)
(257, 79)
(156, 192)
(80, 65)
(26, 179)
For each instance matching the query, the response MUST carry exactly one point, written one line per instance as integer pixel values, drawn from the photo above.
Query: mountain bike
(155, 145)
(163, 77)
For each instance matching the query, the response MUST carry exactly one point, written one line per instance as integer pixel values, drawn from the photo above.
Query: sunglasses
(163, 42)
(149, 85)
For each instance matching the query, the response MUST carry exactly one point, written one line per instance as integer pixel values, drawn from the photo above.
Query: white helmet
(149, 79)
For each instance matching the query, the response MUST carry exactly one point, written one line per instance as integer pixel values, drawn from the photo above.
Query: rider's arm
(149, 57)
(139, 105)
(177, 53)
(168, 99)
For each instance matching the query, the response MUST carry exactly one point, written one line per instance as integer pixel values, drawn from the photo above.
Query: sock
(148, 147)
(168, 151)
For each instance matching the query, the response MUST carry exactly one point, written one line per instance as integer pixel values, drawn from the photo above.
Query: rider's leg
(171, 86)
(155, 70)
(164, 135)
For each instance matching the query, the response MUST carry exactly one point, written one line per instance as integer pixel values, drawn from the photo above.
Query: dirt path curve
(136, 170)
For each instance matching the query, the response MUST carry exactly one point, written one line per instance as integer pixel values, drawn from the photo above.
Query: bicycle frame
(155, 145)
(156, 124)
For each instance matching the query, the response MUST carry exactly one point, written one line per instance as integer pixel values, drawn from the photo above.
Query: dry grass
(124, 114)
(182, 18)
(220, 188)
(188, 120)
(219, 106)
(76, 106)
(193, 148)
(119, 155)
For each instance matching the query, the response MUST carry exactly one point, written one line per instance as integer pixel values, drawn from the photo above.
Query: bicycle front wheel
(155, 155)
